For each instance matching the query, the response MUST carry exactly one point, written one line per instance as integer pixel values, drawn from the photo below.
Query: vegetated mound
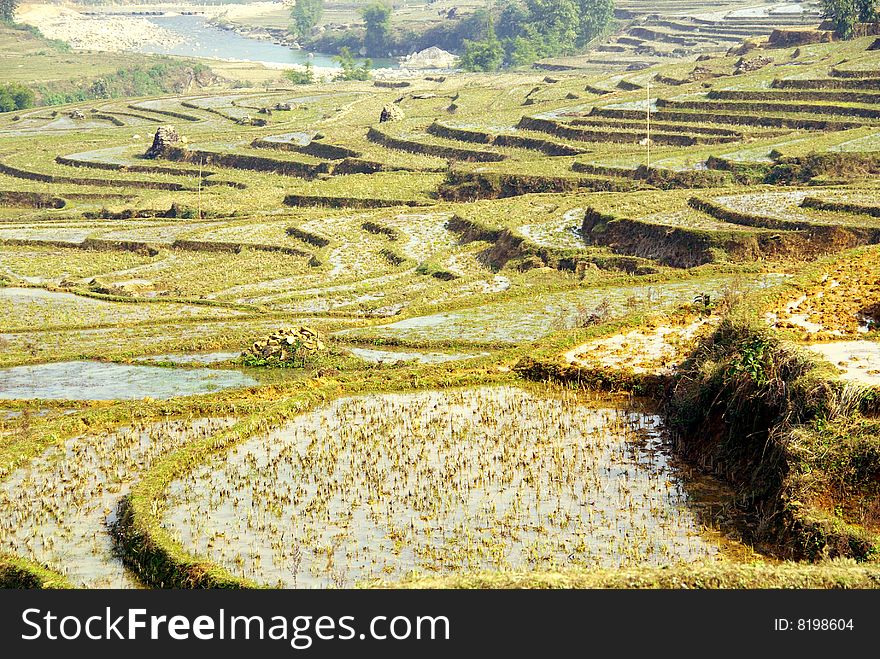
(288, 347)
(789, 437)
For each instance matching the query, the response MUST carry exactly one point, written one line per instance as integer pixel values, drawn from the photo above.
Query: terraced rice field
(506, 217)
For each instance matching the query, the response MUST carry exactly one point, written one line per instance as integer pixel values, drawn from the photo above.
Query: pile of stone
(701, 73)
(166, 138)
(391, 113)
(288, 346)
(748, 65)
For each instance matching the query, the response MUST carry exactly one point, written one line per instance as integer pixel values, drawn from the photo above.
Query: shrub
(301, 77)
(350, 69)
(14, 96)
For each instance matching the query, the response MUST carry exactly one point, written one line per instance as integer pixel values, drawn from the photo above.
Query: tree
(15, 96)
(7, 10)
(595, 16)
(844, 14)
(300, 76)
(486, 55)
(305, 14)
(350, 68)
(869, 11)
(377, 17)
(557, 23)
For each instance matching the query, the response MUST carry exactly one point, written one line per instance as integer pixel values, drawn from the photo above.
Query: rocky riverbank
(107, 33)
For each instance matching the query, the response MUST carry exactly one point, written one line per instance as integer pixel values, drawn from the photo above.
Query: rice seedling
(440, 482)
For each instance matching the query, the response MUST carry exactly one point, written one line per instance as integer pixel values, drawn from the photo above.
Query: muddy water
(393, 356)
(203, 358)
(527, 319)
(55, 510)
(440, 482)
(101, 381)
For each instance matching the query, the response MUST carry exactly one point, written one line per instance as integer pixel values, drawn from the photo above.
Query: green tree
(486, 55)
(557, 23)
(7, 10)
(377, 16)
(300, 76)
(15, 97)
(350, 68)
(595, 16)
(844, 14)
(305, 14)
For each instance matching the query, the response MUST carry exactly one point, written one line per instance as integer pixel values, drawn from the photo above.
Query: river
(200, 39)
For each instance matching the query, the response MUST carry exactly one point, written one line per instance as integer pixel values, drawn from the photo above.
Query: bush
(301, 77)
(350, 69)
(14, 96)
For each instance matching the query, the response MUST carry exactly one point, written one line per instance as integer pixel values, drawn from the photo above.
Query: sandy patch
(110, 33)
(658, 350)
(857, 361)
(843, 303)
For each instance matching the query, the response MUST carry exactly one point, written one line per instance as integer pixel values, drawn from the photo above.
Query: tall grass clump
(757, 411)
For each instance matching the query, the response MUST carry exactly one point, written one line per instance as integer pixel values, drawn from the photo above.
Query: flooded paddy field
(533, 318)
(105, 381)
(376, 487)
(56, 510)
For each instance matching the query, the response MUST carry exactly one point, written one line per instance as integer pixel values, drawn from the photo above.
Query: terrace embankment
(798, 446)
(470, 186)
(506, 246)
(17, 573)
(748, 237)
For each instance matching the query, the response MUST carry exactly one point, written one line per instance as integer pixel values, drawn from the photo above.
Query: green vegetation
(377, 19)
(7, 10)
(528, 30)
(15, 97)
(844, 14)
(143, 80)
(351, 70)
(791, 440)
(304, 76)
(306, 14)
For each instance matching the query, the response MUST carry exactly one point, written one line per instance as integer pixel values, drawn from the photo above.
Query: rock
(287, 347)
(700, 73)
(282, 107)
(166, 138)
(391, 113)
(746, 46)
(430, 58)
(748, 65)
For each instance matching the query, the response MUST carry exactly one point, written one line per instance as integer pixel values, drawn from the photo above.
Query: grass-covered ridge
(800, 448)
